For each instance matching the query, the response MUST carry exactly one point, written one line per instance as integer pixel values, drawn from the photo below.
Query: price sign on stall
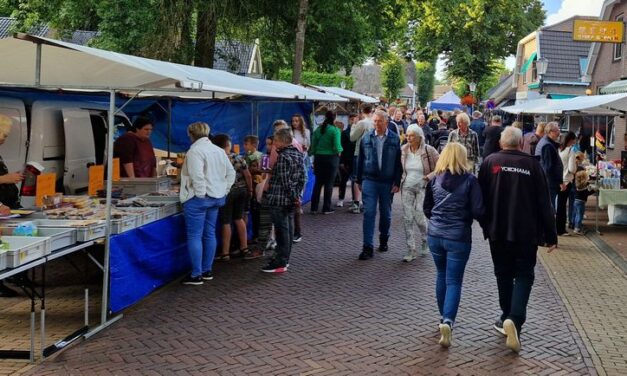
(96, 180)
(116, 169)
(45, 187)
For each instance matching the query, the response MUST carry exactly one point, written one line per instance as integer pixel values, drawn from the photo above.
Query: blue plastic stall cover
(145, 259)
(235, 118)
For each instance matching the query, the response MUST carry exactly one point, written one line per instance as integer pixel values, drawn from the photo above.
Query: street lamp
(541, 66)
(472, 86)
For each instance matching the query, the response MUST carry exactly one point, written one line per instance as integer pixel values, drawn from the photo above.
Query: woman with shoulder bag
(418, 160)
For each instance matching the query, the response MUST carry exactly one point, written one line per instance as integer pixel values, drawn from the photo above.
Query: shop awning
(348, 94)
(560, 96)
(615, 87)
(610, 104)
(74, 67)
(528, 63)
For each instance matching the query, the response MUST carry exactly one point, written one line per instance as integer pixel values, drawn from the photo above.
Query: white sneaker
(340, 204)
(513, 342)
(577, 231)
(424, 249)
(446, 335)
(411, 256)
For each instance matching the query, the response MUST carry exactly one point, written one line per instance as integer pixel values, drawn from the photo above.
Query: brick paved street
(329, 315)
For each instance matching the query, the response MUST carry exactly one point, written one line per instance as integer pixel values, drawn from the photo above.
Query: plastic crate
(24, 249)
(59, 237)
(84, 233)
(126, 223)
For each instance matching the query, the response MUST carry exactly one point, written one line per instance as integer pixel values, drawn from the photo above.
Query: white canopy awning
(348, 94)
(611, 104)
(75, 67)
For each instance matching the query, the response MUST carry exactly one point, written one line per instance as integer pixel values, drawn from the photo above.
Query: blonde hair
(517, 124)
(454, 159)
(5, 124)
(581, 179)
(198, 130)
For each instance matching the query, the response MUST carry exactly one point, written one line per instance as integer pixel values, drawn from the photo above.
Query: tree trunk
(206, 31)
(299, 50)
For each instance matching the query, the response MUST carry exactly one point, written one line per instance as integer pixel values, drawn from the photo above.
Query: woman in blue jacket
(452, 200)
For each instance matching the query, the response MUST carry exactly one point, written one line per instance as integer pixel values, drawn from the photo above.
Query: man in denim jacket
(379, 173)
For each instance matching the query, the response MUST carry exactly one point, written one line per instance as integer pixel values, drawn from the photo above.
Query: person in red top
(137, 156)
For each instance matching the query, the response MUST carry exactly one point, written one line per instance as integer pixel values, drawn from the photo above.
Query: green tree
(473, 33)
(393, 76)
(497, 68)
(425, 72)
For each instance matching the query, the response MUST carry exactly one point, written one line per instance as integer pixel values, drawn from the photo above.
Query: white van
(65, 137)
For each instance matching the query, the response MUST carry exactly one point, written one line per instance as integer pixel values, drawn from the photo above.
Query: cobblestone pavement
(593, 289)
(334, 315)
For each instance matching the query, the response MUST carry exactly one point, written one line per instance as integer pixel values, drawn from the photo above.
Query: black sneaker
(189, 280)
(297, 238)
(366, 253)
(382, 248)
(498, 326)
(207, 276)
(274, 267)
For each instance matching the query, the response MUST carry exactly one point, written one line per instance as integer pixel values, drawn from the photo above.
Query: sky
(556, 11)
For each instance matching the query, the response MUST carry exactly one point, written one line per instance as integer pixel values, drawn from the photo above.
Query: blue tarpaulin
(145, 259)
(237, 118)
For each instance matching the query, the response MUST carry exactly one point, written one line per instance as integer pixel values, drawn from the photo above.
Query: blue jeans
(579, 211)
(450, 261)
(201, 215)
(374, 193)
(514, 265)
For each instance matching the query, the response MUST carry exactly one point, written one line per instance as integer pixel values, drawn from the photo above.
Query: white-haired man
(515, 227)
(379, 178)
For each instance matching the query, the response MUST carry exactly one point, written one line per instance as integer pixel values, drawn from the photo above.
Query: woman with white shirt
(418, 160)
(206, 178)
(300, 131)
(570, 168)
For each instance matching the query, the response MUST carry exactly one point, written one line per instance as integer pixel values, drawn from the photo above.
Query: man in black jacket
(518, 219)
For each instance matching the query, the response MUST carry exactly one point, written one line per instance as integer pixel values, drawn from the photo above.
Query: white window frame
(618, 47)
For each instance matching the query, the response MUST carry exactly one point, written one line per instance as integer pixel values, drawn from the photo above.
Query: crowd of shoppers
(440, 194)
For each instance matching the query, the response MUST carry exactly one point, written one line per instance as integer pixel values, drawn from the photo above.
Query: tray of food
(59, 237)
(24, 249)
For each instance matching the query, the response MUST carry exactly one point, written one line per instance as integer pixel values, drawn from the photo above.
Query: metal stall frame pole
(107, 249)
(169, 125)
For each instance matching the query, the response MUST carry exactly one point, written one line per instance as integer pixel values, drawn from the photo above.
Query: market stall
(46, 64)
(606, 173)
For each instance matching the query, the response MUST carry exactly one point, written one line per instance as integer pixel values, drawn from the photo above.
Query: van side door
(79, 149)
(13, 150)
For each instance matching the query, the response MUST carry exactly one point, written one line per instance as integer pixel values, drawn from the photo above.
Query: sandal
(252, 254)
(223, 258)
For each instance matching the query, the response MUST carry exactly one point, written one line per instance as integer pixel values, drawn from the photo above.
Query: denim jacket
(368, 162)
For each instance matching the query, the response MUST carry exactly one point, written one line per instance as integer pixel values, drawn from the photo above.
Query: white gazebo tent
(42, 63)
(351, 95)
